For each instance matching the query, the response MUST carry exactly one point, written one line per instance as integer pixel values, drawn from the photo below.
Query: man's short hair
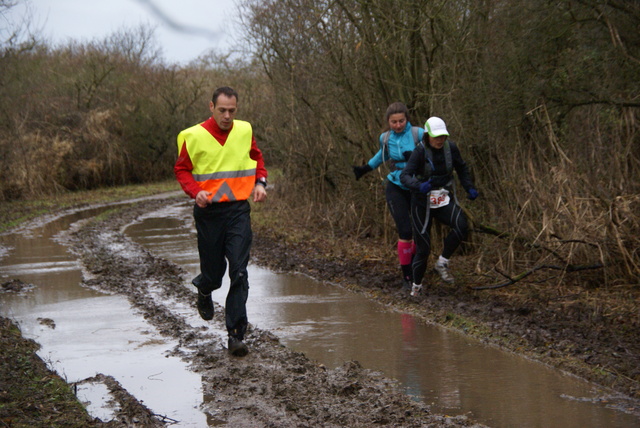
(229, 92)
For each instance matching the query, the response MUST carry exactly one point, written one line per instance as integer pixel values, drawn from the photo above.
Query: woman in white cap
(429, 175)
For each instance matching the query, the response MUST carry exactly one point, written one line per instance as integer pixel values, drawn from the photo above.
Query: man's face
(224, 111)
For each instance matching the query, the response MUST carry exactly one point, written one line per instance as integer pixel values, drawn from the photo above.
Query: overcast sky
(184, 29)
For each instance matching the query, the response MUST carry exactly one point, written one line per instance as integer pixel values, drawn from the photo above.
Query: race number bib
(439, 198)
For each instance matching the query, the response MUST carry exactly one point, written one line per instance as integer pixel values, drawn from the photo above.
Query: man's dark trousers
(224, 235)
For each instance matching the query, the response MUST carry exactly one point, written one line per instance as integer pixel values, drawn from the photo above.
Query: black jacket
(415, 172)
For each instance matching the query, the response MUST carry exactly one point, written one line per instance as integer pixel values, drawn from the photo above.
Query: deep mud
(273, 386)
(571, 329)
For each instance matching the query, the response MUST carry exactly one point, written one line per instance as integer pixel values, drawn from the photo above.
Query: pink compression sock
(405, 252)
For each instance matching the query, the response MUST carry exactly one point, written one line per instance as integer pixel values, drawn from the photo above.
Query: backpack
(386, 135)
(448, 159)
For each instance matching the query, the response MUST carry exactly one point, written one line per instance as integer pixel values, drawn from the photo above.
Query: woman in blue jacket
(396, 145)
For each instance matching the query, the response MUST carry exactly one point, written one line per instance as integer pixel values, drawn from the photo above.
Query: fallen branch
(520, 277)
(478, 227)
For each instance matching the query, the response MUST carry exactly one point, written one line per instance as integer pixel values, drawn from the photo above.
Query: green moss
(464, 324)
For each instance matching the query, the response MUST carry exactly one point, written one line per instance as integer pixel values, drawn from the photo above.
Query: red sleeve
(256, 155)
(182, 170)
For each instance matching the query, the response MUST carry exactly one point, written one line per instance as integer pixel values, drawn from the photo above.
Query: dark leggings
(422, 218)
(399, 202)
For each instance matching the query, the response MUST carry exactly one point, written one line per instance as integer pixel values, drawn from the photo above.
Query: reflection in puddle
(96, 333)
(95, 397)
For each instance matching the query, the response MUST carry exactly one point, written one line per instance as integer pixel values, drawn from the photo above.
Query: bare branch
(523, 275)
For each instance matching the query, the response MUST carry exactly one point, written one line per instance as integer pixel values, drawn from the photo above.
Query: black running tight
(421, 219)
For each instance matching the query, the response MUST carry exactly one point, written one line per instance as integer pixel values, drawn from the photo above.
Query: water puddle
(83, 332)
(452, 373)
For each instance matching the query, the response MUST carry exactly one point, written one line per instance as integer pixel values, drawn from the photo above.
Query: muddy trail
(276, 386)
(272, 386)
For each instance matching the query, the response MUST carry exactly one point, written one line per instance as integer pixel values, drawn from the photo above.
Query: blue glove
(425, 187)
(472, 194)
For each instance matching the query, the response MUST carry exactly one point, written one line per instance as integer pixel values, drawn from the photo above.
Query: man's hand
(259, 193)
(202, 198)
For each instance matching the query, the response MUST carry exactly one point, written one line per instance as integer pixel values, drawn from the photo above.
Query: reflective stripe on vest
(228, 171)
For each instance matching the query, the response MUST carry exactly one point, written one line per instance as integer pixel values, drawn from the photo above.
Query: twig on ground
(521, 276)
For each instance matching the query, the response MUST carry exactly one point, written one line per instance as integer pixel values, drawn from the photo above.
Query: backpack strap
(385, 143)
(385, 140)
(414, 132)
(448, 159)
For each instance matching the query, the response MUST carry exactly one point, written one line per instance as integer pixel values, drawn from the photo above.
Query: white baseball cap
(435, 127)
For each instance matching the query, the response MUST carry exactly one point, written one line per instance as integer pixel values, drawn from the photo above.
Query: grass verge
(30, 394)
(14, 213)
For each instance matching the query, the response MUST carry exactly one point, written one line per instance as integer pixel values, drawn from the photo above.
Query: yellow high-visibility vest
(228, 171)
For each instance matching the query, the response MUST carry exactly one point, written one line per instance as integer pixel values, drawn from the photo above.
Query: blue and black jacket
(398, 143)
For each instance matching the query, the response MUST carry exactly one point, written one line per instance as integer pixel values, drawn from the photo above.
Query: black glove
(359, 171)
(407, 155)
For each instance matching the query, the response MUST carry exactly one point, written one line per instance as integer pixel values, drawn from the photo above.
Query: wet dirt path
(164, 308)
(452, 373)
(272, 386)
